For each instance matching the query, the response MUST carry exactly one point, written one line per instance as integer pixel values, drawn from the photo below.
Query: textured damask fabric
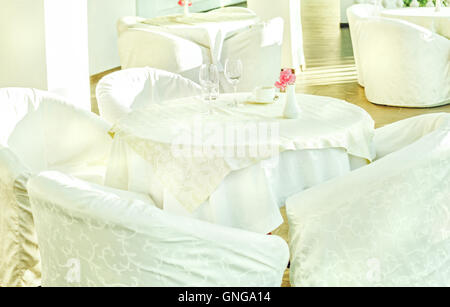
(136, 88)
(403, 64)
(106, 238)
(396, 136)
(152, 132)
(19, 254)
(424, 17)
(386, 224)
(41, 132)
(355, 15)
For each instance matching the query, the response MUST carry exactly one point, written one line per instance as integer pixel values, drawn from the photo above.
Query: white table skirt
(249, 198)
(424, 17)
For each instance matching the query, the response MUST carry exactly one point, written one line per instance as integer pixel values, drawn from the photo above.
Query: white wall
(22, 44)
(43, 45)
(66, 40)
(102, 18)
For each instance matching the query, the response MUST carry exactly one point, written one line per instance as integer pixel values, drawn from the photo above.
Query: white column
(22, 44)
(66, 39)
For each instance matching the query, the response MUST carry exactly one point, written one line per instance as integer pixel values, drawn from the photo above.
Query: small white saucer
(253, 99)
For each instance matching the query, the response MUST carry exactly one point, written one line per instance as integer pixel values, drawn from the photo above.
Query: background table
(330, 138)
(425, 17)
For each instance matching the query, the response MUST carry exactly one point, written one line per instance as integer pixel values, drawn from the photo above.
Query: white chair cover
(356, 14)
(259, 48)
(107, 239)
(19, 254)
(293, 55)
(120, 92)
(40, 131)
(55, 134)
(404, 64)
(386, 224)
(396, 136)
(142, 45)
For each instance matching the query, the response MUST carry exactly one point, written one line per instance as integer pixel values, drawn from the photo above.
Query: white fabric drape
(106, 238)
(386, 224)
(136, 88)
(356, 14)
(40, 131)
(19, 253)
(424, 17)
(293, 55)
(404, 64)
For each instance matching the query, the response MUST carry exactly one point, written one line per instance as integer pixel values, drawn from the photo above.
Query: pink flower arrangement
(183, 3)
(287, 77)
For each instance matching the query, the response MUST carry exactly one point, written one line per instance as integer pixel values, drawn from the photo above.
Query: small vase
(186, 10)
(291, 109)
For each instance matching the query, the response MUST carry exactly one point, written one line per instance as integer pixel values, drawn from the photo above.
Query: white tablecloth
(207, 29)
(426, 17)
(330, 138)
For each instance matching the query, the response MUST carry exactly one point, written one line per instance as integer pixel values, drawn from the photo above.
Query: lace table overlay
(152, 132)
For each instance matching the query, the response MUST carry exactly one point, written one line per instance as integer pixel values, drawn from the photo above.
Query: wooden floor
(330, 72)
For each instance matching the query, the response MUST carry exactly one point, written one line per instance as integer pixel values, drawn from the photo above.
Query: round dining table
(236, 165)
(427, 17)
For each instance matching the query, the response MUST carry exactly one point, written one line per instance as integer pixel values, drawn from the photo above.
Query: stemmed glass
(233, 73)
(209, 79)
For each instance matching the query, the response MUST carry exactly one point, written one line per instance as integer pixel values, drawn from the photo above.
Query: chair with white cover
(106, 238)
(404, 64)
(39, 131)
(120, 92)
(293, 55)
(141, 45)
(259, 48)
(386, 224)
(356, 14)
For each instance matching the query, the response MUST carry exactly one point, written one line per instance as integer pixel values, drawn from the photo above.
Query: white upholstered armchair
(106, 237)
(403, 64)
(356, 14)
(39, 131)
(386, 224)
(120, 92)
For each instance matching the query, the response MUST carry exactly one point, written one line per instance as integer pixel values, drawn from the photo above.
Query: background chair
(396, 136)
(404, 64)
(259, 49)
(120, 92)
(356, 14)
(106, 239)
(386, 224)
(40, 131)
(293, 55)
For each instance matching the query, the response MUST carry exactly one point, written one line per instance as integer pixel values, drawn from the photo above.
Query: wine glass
(209, 80)
(233, 73)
